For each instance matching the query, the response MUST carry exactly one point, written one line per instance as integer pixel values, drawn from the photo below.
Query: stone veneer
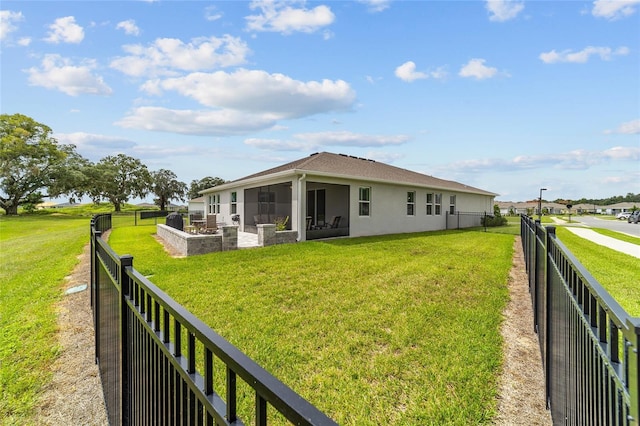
(191, 244)
(268, 236)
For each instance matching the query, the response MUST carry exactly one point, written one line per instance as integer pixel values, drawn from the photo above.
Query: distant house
(196, 206)
(328, 194)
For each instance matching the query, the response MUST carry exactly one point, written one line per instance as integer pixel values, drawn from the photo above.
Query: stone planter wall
(191, 244)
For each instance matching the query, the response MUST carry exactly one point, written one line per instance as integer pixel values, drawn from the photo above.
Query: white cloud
(628, 128)
(376, 6)
(574, 160)
(129, 26)
(61, 74)
(166, 55)
(316, 141)
(407, 72)
(257, 91)
(8, 19)
(65, 30)
(503, 10)
(24, 41)
(279, 16)
(614, 9)
(211, 13)
(476, 68)
(189, 122)
(605, 53)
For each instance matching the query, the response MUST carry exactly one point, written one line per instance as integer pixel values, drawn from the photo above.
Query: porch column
(266, 234)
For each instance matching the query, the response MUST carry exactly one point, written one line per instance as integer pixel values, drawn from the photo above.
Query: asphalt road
(614, 225)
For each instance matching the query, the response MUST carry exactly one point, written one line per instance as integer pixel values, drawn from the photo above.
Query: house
(327, 195)
(196, 206)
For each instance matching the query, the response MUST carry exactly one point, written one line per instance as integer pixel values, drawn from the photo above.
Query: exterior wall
(388, 208)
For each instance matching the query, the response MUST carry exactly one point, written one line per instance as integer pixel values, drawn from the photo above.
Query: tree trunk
(116, 206)
(12, 210)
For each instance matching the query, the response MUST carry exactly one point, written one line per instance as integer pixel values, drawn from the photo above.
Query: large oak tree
(166, 186)
(204, 183)
(117, 178)
(32, 161)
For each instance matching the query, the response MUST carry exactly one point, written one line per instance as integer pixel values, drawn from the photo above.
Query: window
(234, 200)
(430, 204)
(210, 204)
(438, 204)
(215, 208)
(364, 199)
(411, 203)
(452, 204)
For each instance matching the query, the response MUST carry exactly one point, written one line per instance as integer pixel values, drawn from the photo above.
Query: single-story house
(326, 195)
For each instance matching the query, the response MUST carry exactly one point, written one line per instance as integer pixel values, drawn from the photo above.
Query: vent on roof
(357, 158)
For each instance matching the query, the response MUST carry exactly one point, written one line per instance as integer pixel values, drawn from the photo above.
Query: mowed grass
(393, 330)
(36, 253)
(616, 272)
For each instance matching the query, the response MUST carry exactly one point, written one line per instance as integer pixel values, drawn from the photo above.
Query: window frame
(429, 204)
(364, 201)
(411, 203)
(234, 203)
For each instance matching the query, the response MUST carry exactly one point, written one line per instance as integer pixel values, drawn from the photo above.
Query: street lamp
(540, 204)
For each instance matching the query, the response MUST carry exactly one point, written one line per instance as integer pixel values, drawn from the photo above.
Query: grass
(616, 272)
(393, 330)
(618, 235)
(36, 253)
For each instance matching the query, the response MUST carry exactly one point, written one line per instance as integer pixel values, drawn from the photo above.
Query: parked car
(623, 215)
(635, 217)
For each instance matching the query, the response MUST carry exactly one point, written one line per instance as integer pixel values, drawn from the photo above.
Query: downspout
(301, 216)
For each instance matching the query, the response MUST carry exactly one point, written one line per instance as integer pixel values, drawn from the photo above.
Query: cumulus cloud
(605, 53)
(629, 128)
(576, 160)
(93, 146)
(166, 56)
(65, 30)
(281, 17)
(62, 74)
(256, 91)
(129, 27)
(189, 122)
(376, 6)
(503, 10)
(476, 68)
(318, 140)
(614, 9)
(8, 20)
(407, 72)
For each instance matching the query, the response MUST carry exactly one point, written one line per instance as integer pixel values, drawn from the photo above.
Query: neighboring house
(196, 206)
(327, 195)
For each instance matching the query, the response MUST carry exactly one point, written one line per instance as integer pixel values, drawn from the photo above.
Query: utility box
(175, 221)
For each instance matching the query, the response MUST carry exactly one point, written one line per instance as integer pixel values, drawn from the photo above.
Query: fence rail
(459, 220)
(156, 359)
(589, 343)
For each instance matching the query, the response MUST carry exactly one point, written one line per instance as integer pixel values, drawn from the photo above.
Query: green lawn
(36, 253)
(618, 235)
(616, 272)
(392, 330)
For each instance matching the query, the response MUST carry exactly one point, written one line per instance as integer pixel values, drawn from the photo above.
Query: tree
(31, 161)
(166, 186)
(204, 183)
(118, 178)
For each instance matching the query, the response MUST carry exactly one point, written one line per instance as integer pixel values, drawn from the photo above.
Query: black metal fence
(156, 359)
(459, 220)
(589, 344)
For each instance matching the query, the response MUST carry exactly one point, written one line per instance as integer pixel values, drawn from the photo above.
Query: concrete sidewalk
(603, 240)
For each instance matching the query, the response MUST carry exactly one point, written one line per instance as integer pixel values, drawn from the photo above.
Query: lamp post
(540, 204)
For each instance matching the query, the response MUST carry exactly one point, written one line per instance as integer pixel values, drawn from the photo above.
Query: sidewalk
(603, 240)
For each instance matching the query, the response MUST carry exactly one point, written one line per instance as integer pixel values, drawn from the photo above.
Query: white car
(623, 215)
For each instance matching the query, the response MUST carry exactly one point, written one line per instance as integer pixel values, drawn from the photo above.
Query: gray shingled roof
(341, 165)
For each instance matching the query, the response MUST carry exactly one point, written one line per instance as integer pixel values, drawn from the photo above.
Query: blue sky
(507, 96)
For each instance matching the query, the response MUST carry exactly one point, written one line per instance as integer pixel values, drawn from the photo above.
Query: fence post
(95, 288)
(126, 261)
(633, 384)
(551, 233)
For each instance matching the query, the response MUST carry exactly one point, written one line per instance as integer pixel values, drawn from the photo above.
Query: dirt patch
(74, 396)
(521, 394)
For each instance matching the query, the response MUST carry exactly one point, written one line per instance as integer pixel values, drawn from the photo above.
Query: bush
(489, 221)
